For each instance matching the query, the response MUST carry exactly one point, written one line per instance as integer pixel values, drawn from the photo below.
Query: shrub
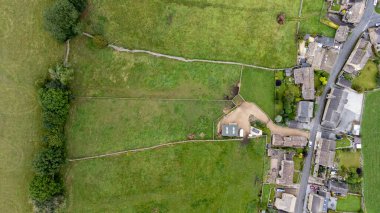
(61, 20)
(44, 188)
(61, 74)
(49, 161)
(55, 106)
(100, 41)
(80, 5)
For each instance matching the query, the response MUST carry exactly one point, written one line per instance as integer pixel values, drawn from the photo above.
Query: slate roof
(374, 36)
(342, 33)
(359, 56)
(230, 130)
(344, 82)
(289, 141)
(286, 173)
(287, 203)
(305, 111)
(325, 152)
(317, 203)
(334, 107)
(339, 188)
(355, 13)
(305, 76)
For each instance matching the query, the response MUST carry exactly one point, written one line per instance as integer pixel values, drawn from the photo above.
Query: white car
(310, 144)
(377, 24)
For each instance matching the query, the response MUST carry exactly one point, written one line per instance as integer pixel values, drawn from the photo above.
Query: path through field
(241, 116)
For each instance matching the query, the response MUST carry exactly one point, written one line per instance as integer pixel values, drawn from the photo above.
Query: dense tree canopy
(43, 188)
(80, 5)
(61, 20)
(49, 160)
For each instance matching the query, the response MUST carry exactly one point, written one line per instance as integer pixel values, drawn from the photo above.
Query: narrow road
(368, 20)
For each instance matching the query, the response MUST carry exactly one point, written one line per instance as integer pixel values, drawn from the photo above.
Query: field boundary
(149, 148)
(188, 60)
(152, 99)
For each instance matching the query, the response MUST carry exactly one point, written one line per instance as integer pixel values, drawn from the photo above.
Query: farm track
(187, 60)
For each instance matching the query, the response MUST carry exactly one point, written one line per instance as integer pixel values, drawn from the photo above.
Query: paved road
(369, 19)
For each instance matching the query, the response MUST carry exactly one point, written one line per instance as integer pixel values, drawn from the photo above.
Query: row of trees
(46, 187)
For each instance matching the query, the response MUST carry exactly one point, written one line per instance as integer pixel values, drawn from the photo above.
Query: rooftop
(305, 111)
(355, 13)
(342, 33)
(325, 152)
(230, 130)
(289, 141)
(286, 173)
(359, 56)
(339, 188)
(287, 203)
(305, 76)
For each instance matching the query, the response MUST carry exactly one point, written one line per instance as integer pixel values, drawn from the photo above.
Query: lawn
(258, 86)
(312, 11)
(207, 177)
(243, 30)
(267, 195)
(344, 142)
(351, 203)
(26, 52)
(367, 77)
(371, 151)
(103, 72)
(100, 126)
(348, 158)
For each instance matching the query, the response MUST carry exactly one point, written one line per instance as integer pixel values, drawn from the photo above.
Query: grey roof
(359, 56)
(342, 33)
(344, 82)
(318, 204)
(230, 130)
(326, 153)
(334, 107)
(325, 41)
(305, 111)
(337, 187)
(355, 13)
(305, 76)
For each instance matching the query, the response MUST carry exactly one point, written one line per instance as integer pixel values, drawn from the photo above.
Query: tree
(61, 20)
(323, 80)
(43, 188)
(62, 74)
(55, 106)
(80, 5)
(49, 161)
(54, 137)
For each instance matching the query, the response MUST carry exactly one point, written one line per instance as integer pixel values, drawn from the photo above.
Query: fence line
(152, 99)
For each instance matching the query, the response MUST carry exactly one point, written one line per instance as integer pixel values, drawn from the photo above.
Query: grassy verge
(101, 126)
(243, 31)
(26, 50)
(351, 203)
(103, 72)
(367, 77)
(208, 177)
(371, 151)
(258, 86)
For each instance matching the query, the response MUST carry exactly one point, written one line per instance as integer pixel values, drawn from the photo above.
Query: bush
(55, 106)
(100, 41)
(61, 20)
(49, 161)
(358, 88)
(80, 5)
(61, 74)
(44, 188)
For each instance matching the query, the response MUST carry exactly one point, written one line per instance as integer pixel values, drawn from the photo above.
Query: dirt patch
(246, 110)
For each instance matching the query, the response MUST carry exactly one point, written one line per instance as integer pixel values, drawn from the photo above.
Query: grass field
(371, 151)
(26, 52)
(103, 72)
(106, 125)
(311, 13)
(367, 77)
(243, 30)
(207, 177)
(258, 86)
(348, 158)
(351, 203)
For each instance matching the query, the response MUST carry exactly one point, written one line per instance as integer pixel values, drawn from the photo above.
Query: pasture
(371, 150)
(244, 31)
(26, 52)
(202, 177)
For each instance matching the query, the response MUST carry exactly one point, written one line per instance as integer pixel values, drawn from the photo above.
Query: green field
(258, 86)
(351, 203)
(344, 142)
(103, 72)
(243, 30)
(207, 177)
(312, 10)
(371, 151)
(26, 52)
(348, 158)
(367, 77)
(99, 126)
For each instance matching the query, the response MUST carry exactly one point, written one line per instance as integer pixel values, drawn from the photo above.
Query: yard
(371, 151)
(351, 203)
(312, 11)
(103, 72)
(258, 86)
(348, 158)
(204, 177)
(244, 31)
(367, 78)
(26, 52)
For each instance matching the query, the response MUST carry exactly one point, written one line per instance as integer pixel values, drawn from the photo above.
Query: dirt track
(241, 116)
